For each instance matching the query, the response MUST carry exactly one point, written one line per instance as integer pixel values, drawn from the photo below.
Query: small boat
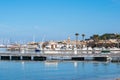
(105, 51)
(37, 50)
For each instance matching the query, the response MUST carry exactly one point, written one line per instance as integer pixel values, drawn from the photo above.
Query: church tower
(68, 40)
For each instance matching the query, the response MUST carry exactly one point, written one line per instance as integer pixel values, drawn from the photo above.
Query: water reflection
(23, 65)
(75, 64)
(105, 63)
(51, 65)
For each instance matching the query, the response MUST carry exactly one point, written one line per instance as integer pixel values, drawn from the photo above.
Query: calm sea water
(18, 70)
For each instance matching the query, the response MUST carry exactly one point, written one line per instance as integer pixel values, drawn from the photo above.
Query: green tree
(76, 34)
(96, 39)
(83, 37)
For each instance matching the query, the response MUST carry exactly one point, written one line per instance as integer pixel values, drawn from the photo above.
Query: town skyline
(80, 37)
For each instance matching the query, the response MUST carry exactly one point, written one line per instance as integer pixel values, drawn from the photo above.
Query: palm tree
(76, 34)
(83, 36)
(96, 38)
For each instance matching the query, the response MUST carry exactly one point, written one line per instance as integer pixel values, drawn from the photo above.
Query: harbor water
(58, 70)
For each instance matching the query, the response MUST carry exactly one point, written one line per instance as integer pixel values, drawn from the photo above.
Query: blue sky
(57, 19)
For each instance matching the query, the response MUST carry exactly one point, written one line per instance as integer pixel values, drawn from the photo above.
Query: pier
(113, 57)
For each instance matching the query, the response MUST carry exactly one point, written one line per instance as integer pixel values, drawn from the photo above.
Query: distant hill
(106, 36)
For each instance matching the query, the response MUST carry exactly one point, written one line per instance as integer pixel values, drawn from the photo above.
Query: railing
(61, 52)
